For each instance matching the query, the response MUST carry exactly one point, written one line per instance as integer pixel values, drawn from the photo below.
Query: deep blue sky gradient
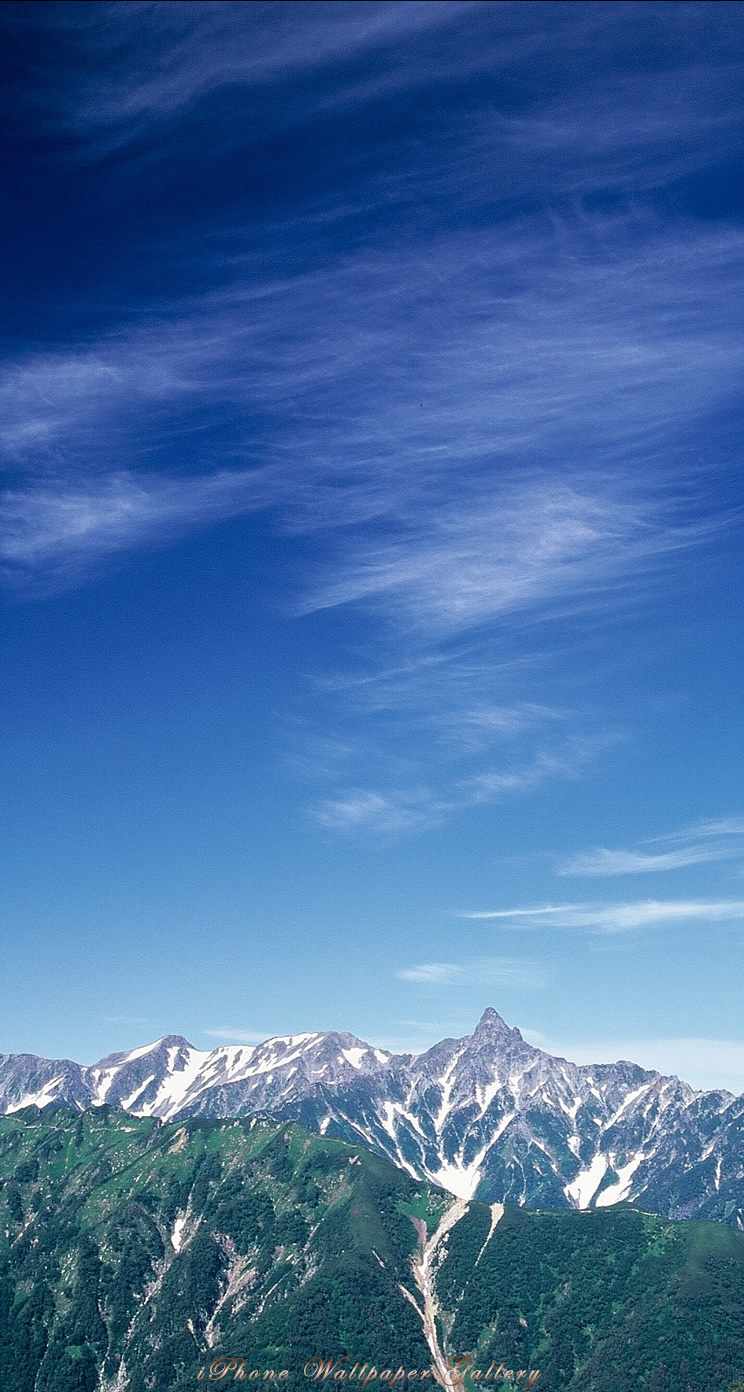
(370, 524)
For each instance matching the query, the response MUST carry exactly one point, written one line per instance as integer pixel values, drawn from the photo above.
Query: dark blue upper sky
(370, 423)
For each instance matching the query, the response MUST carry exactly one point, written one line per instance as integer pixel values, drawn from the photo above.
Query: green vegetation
(132, 1254)
(612, 1300)
(165, 1245)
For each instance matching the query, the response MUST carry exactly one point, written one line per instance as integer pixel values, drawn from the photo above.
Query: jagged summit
(491, 1018)
(493, 1026)
(487, 1114)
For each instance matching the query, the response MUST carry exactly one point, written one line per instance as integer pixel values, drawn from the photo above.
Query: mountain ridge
(486, 1115)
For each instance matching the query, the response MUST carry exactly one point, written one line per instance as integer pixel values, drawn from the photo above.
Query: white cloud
(404, 810)
(616, 125)
(205, 48)
(367, 811)
(525, 547)
(618, 918)
(721, 826)
(506, 381)
(450, 414)
(432, 973)
(602, 861)
(408, 810)
(61, 530)
(693, 845)
(492, 971)
(566, 760)
(725, 826)
(236, 1036)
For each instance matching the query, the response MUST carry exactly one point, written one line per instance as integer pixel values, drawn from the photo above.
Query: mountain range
(488, 1116)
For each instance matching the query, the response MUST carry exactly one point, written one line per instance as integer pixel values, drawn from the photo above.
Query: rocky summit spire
(493, 1026)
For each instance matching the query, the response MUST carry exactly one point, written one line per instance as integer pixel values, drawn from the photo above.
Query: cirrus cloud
(490, 971)
(617, 918)
(603, 861)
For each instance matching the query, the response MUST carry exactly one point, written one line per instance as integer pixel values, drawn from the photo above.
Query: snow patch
(388, 1119)
(582, 1189)
(486, 1095)
(616, 1193)
(354, 1056)
(500, 1129)
(177, 1234)
(446, 1082)
(629, 1100)
(462, 1182)
(139, 1053)
(128, 1102)
(104, 1078)
(497, 1213)
(43, 1098)
(172, 1090)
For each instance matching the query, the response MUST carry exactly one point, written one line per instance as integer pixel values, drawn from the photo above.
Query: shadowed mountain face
(487, 1116)
(134, 1254)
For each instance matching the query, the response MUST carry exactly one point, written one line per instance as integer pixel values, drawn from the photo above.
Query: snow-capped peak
(488, 1114)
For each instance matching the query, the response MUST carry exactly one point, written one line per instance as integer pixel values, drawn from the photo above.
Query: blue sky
(371, 514)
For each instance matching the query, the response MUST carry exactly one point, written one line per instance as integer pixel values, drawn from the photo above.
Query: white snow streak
(616, 1193)
(582, 1189)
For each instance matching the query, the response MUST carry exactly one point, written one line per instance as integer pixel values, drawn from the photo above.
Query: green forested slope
(608, 1300)
(132, 1254)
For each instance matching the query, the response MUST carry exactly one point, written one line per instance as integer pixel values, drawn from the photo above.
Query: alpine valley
(486, 1117)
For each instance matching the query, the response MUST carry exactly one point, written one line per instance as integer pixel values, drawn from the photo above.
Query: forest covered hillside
(133, 1254)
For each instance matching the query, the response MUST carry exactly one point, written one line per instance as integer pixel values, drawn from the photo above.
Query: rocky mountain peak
(487, 1113)
(174, 1041)
(493, 1026)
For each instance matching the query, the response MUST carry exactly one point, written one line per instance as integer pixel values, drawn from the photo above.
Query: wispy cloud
(235, 1036)
(525, 547)
(199, 52)
(617, 918)
(565, 760)
(486, 971)
(432, 973)
(694, 845)
(425, 497)
(59, 531)
(489, 426)
(607, 862)
(414, 809)
(721, 826)
(505, 541)
(646, 128)
(368, 811)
